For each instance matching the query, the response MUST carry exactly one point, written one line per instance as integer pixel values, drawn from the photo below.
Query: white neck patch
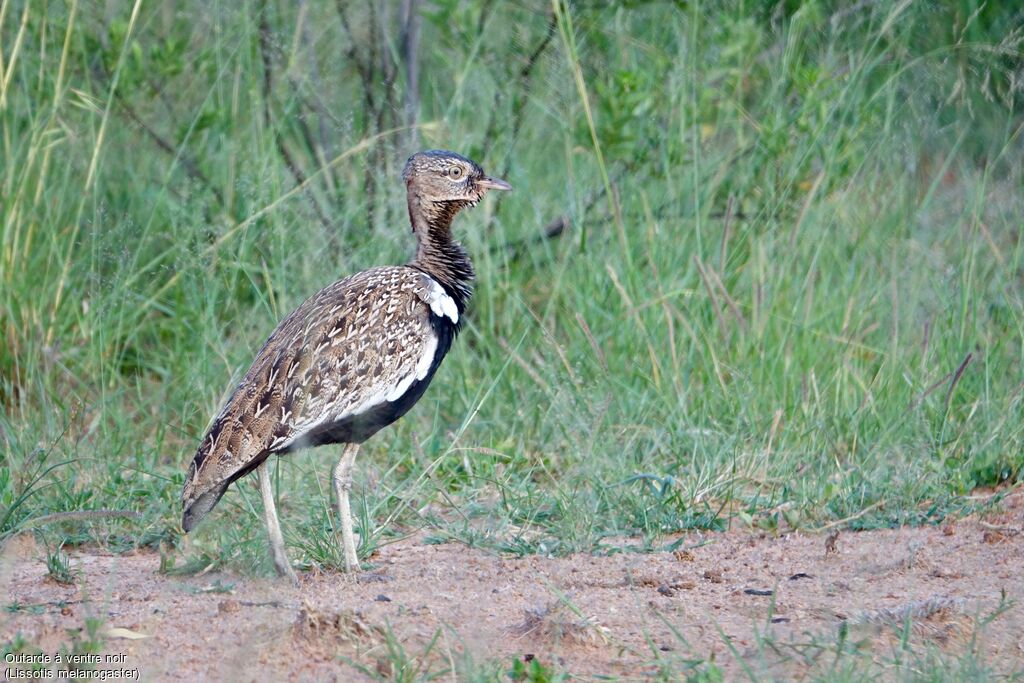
(440, 303)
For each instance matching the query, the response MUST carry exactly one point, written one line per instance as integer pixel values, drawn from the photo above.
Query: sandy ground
(782, 601)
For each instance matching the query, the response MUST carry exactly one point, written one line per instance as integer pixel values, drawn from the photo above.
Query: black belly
(361, 426)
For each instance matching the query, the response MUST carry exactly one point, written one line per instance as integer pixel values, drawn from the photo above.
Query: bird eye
(455, 172)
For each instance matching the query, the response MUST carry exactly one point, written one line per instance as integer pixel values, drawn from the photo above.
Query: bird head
(441, 176)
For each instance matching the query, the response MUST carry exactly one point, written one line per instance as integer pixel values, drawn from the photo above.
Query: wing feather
(354, 345)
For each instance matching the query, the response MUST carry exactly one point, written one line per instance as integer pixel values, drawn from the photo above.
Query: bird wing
(353, 345)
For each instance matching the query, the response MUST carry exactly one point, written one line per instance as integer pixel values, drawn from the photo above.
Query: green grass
(790, 290)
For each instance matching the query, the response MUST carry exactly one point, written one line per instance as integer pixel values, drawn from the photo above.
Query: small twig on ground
(268, 603)
(1001, 528)
(845, 520)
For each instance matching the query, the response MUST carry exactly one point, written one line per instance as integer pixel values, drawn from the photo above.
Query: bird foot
(349, 546)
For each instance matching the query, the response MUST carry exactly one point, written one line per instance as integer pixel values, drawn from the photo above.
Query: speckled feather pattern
(354, 357)
(354, 344)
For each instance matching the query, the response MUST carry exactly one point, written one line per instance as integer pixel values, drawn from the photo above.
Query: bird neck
(437, 254)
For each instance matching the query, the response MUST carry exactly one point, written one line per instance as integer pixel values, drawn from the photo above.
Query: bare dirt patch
(776, 604)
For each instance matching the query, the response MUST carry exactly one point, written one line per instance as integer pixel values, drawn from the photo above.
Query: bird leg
(277, 551)
(342, 475)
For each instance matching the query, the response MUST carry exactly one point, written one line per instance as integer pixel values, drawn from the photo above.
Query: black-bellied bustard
(352, 359)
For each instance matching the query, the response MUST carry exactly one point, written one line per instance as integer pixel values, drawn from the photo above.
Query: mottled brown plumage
(356, 338)
(352, 358)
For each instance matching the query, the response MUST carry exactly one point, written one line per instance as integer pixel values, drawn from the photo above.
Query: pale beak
(489, 183)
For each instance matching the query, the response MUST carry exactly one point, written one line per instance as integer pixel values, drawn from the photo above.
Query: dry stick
(317, 146)
(527, 368)
(811, 194)
(409, 41)
(516, 248)
(15, 606)
(845, 520)
(556, 226)
(374, 33)
(1001, 528)
(268, 85)
(582, 322)
(518, 113)
(266, 603)
(727, 223)
(522, 87)
(733, 307)
(387, 61)
(179, 155)
(353, 54)
(324, 139)
(387, 107)
(719, 313)
(992, 243)
(956, 378)
(314, 147)
(550, 337)
(187, 162)
(635, 313)
(211, 248)
(485, 13)
(776, 422)
(366, 67)
(942, 380)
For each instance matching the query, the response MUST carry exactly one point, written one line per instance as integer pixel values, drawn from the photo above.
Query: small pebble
(714, 576)
(228, 606)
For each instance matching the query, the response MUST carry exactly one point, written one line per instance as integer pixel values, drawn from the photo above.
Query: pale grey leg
(277, 551)
(342, 485)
